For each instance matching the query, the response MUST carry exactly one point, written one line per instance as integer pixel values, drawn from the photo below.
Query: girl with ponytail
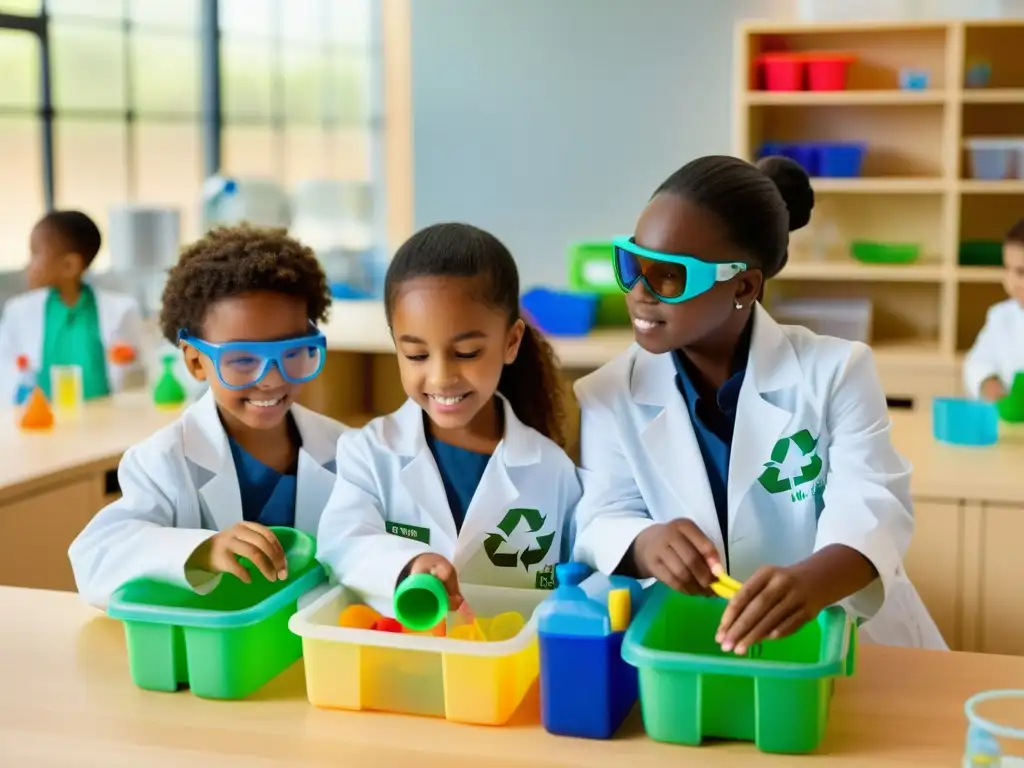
(468, 480)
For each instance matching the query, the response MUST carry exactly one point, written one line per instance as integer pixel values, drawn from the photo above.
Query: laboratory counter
(68, 700)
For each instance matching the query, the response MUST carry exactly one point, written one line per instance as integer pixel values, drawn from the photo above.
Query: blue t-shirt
(714, 419)
(461, 471)
(268, 496)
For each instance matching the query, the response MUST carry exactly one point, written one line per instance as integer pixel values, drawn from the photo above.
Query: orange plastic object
(358, 617)
(122, 354)
(37, 413)
(22, 363)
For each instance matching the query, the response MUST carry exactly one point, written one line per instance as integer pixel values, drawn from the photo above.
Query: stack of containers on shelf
(587, 690)
(996, 158)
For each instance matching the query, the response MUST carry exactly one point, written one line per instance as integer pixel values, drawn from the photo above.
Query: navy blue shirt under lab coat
(461, 471)
(268, 496)
(714, 420)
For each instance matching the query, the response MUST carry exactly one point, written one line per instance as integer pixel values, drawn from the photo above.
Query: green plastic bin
(778, 696)
(1011, 407)
(591, 269)
(222, 645)
(981, 253)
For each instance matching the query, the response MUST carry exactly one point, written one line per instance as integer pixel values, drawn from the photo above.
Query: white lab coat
(179, 488)
(999, 348)
(643, 466)
(389, 505)
(22, 328)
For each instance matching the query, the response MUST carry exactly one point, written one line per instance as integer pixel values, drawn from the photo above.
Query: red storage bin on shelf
(828, 71)
(783, 71)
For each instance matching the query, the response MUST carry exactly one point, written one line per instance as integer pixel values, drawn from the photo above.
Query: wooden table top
(67, 699)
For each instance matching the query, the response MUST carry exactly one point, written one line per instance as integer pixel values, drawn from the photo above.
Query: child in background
(62, 320)
(998, 352)
(242, 304)
(723, 441)
(467, 480)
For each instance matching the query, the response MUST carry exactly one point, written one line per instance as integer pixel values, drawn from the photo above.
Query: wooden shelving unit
(915, 186)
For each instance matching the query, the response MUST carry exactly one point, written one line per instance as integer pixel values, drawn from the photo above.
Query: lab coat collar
(206, 446)
(405, 434)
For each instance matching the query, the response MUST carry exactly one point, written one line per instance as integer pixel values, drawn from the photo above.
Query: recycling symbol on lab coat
(530, 555)
(773, 481)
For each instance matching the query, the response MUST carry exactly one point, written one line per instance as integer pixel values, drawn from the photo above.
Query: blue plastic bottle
(26, 382)
(586, 689)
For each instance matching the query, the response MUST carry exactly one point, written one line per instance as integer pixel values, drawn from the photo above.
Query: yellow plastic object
(469, 682)
(726, 587)
(471, 632)
(619, 609)
(358, 617)
(505, 626)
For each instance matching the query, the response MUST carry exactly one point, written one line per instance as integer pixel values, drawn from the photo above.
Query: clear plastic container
(995, 159)
(843, 318)
(460, 680)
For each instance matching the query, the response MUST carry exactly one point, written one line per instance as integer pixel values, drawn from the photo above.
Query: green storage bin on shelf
(981, 253)
(869, 252)
(591, 269)
(222, 645)
(1011, 407)
(778, 696)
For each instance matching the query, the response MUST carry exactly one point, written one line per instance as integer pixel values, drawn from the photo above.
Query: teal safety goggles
(242, 364)
(671, 278)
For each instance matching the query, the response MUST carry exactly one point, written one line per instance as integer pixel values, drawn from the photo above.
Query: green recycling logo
(531, 555)
(773, 481)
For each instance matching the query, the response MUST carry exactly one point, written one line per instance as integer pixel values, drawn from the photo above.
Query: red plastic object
(783, 71)
(22, 362)
(828, 72)
(387, 625)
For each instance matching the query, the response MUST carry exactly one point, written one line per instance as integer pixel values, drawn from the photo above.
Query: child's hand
(440, 567)
(256, 543)
(992, 389)
(677, 554)
(773, 603)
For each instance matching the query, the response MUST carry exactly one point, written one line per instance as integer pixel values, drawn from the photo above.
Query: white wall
(550, 121)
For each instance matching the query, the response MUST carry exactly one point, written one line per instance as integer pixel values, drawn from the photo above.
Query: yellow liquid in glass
(67, 395)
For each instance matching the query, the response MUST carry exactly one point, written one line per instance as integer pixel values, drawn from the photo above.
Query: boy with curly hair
(243, 305)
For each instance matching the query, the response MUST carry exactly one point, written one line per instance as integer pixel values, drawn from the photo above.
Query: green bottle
(169, 392)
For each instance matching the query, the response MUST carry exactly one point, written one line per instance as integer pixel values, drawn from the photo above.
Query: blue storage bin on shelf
(586, 689)
(842, 161)
(804, 154)
(561, 313)
(959, 421)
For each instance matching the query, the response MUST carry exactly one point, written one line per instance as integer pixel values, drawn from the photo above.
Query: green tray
(981, 253)
(222, 645)
(884, 253)
(778, 696)
(591, 269)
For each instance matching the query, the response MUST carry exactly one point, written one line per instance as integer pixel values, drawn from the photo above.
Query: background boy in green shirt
(62, 320)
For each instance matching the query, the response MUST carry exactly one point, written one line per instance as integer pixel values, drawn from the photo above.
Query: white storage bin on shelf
(844, 318)
(996, 158)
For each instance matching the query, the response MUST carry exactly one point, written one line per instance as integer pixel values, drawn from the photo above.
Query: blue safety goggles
(242, 364)
(671, 278)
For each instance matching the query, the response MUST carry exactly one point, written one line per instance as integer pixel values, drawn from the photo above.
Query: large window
(105, 100)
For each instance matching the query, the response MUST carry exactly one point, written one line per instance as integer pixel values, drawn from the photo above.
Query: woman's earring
(738, 305)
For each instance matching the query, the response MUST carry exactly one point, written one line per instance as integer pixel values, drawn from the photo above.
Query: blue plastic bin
(561, 313)
(586, 688)
(804, 154)
(959, 421)
(842, 161)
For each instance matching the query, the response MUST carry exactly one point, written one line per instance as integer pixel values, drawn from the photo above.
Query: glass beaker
(66, 391)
